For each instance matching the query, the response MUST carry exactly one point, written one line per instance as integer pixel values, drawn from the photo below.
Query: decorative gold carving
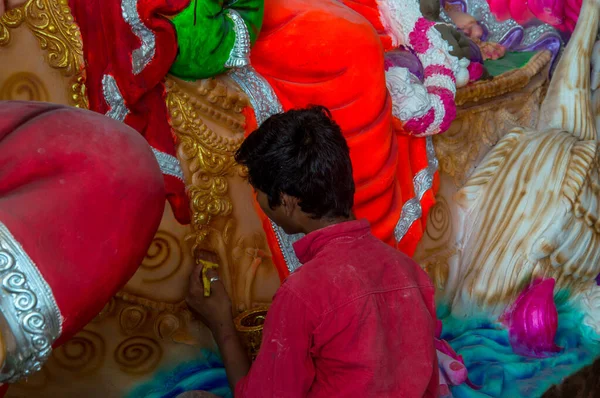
(138, 355)
(53, 25)
(215, 100)
(24, 86)
(10, 20)
(79, 97)
(249, 325)
(209, 165)
(83, 354)
(163, 259)
(210, 160)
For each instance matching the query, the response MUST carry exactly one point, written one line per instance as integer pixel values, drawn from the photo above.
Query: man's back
(357, 319)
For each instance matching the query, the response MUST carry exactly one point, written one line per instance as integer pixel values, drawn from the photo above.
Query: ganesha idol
(74, 223)
(193, 77)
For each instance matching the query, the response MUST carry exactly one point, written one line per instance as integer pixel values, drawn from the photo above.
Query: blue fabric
(205, 374)
(492, 364)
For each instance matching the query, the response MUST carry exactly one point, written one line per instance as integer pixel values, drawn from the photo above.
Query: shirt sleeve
(284, 366)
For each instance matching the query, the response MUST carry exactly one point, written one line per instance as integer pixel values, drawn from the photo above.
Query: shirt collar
(308, 246)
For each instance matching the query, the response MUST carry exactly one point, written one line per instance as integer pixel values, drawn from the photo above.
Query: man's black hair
(301, 153)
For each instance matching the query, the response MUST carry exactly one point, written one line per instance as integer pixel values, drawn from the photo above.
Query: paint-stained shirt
(357, 319)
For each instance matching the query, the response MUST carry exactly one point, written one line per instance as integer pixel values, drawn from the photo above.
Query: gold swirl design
(10, 20)
(53, 25)
(24, 86)
(165, 250)
(438, 223)
(138, 355)
(210, 159)
(132, 318)
(82, 354)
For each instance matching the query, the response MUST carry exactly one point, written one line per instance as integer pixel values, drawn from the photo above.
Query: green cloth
(510, 61)
(205, 35)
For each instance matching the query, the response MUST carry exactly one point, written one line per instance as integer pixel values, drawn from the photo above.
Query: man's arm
(215, 312)
(284, 365)
(234, 356)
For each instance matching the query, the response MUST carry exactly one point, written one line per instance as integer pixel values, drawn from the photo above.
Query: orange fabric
(340, 65)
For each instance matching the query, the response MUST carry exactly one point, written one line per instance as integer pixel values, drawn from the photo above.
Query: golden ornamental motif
(53, 25)
(10, 20)
(24, 86)
(79, 97)
(210, 158)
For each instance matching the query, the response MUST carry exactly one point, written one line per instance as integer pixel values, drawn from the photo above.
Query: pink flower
(431, 70)
(475, 71)
(418, 37)
(532, 321)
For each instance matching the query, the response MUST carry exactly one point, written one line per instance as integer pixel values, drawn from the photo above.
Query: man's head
(299, 164)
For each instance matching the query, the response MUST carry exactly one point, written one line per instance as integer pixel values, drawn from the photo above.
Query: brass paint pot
(249, 325)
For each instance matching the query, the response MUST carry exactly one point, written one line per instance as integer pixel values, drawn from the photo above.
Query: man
(357, 319)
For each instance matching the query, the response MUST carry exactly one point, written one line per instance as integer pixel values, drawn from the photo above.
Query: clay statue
(518, 279)
(75, 220)
(193, 83)
(127, 62)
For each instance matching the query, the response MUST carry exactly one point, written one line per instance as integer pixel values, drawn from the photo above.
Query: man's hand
(215, 310)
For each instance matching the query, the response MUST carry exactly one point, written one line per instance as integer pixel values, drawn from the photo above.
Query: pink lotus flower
(532, 321)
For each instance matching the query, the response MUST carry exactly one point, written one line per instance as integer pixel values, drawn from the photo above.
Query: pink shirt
(356, 320)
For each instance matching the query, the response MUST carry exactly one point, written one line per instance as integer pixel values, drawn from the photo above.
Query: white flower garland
(406, 25)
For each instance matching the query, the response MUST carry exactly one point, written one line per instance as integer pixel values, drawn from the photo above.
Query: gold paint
(79, 97)
(216, 99)
(210, 161)
(52, 23)
(206, 265)
(24, 86)
(206, 151)
(10, 20)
